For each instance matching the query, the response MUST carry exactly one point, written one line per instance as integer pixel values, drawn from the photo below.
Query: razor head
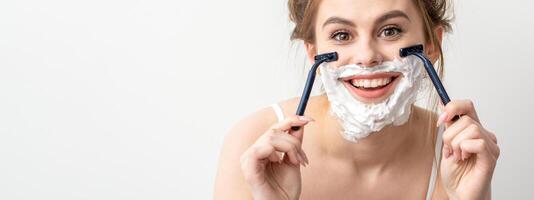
(326, 57)
(411, 50)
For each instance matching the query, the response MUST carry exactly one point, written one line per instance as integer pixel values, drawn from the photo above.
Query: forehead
(363, 11)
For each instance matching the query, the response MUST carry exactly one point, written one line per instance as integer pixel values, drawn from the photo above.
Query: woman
(397, 155)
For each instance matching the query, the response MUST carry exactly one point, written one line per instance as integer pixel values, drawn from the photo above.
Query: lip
(372, 76)
(372, 94)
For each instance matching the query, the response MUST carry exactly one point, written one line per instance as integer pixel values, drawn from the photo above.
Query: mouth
(372, 86)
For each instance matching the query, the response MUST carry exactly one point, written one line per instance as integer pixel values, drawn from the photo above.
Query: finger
(492, 140)
(493, 147)
(479, 147)
(455, 129)
(275, 133)
(290, 121)
(274, 157)
(290, 138)
(304, 156)
(296, 142)
(460, 107)
(298, 133)
(263, 147)
(493, 137)
(260, 151)
(475, 146)
(471, 132)
(446, 151)
(253, 160)
(289, 148)
(496, 151)
(296, 138)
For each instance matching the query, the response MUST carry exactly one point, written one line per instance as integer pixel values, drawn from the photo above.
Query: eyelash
(390, 27)
(337, 32)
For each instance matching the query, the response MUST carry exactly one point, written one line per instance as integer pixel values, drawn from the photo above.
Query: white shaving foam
(359, 119)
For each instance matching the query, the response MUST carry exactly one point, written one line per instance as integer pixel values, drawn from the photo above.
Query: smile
(371, 86)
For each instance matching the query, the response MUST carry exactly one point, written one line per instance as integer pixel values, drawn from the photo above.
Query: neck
(378, 150)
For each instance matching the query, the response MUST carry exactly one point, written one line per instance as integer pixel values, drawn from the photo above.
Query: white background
(116, 99)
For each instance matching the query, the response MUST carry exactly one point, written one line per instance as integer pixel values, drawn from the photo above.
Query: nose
(367, 55)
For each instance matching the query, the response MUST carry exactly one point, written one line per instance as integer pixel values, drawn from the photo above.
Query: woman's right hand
(270, 175)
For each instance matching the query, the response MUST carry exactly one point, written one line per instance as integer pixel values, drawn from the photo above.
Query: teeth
(367, 83)
(371, 83)
(374, 82)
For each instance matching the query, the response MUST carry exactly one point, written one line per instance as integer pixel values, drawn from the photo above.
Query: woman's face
(368, 32)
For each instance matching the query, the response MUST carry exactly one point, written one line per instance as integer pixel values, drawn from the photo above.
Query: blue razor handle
(319, 59)
(417, 50)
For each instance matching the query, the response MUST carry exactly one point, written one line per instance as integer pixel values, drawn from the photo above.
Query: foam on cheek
(359, 119)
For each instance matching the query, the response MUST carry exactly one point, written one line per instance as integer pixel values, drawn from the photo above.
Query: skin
(394, 163)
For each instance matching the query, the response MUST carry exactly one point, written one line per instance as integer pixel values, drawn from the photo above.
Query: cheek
(410, 39)
(391, 50)
(345, 52)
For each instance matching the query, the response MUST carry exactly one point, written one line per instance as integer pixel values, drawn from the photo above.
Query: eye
(341, 36)
(390, 32)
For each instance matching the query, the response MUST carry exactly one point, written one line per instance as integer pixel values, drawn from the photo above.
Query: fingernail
(448, 152)
(464, 156)
(304, 118)
(441, 118)
(301, 160)
(299, 157)
(305, 157)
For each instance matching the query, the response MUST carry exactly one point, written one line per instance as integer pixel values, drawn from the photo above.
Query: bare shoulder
(315, 107)
(250, 127)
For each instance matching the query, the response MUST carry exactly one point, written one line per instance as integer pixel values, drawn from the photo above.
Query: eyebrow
(392, 14)
(338, 20)
(384, 17)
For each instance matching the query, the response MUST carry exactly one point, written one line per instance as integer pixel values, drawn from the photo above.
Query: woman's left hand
(469, 153)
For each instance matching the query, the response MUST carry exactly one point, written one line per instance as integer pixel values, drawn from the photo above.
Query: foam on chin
(359, 119)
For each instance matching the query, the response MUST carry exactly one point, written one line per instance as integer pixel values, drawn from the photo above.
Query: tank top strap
(278, 111)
